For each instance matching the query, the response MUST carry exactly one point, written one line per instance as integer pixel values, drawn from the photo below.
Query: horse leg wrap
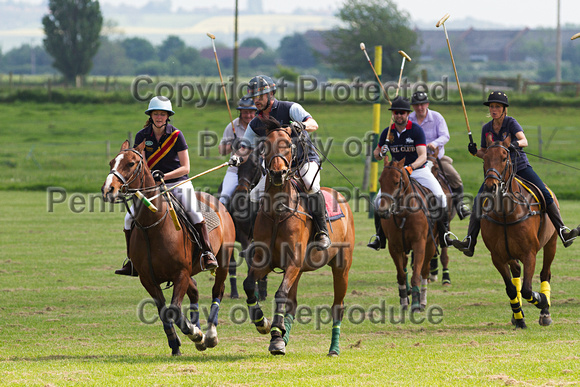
(256, 314)
(288, 321)
(172, 339)
(335, 340)
(278, 325)
(407, 281)
(423, 299)
(539, 300)
(546, 290)
(194, 314)
(403, 295)
(434, 264)
(446, 278)
(415, 294)
(213, 313)
(234, 287)
(517, 308)
(518, 284)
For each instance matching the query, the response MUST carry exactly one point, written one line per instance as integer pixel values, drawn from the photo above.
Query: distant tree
(111, 59)
(171, 46)
(295, 50)
(72, 30)
(139, 49)
(373, 22)
(254, 42)
(26, 60)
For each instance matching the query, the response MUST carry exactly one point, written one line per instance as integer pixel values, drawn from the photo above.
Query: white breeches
(309, 173)
(229, 186)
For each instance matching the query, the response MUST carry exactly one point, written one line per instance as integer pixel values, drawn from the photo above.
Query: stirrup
(463, 211)
(212, 263)
(447, 239)
(574, 234)
(323, 241)
(375, 243)
(467, 250)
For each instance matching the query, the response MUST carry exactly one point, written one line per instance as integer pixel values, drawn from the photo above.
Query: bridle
(504, 177)
(139, 171)
(397, 197)
(279, 177)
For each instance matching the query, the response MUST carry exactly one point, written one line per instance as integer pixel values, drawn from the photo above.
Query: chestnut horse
(161, 254)
(437, 170)
(284, 239)
(514, 227)
(404, 210)
(249, 174)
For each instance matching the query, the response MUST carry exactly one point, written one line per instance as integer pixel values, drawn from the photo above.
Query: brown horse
(249, 174)
(437, 170)
(284, 239)
(404, 210)
(161, 254)
(514, 228)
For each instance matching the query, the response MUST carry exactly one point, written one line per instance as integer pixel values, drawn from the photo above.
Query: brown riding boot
(566, 235)
(208, 261)
(127, 268)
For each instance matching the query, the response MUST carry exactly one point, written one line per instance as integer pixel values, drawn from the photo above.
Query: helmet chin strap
(267, 105)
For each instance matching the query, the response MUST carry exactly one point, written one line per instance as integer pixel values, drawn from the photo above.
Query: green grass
(66, 319)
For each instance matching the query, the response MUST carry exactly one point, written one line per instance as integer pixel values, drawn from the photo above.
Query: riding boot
(127, 268)
(443, 228)
(318, 210)
(208, 261)
(467, 246)
(253, 208)
(566, 235)
(380, 240)
(462, 209)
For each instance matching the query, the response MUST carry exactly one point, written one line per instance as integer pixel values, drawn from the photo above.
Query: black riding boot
(208, 261)
(462, 209)
(318, 210)
(127, 268)
(566, 236)
(443, 228)
(467, 246)
(380, 240)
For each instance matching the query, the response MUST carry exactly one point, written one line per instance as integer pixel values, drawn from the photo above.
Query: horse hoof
(211, 338)
(277, 346)
(520, 324)
(332, 354)
(234, 296)
(200, 345)
(433, 278)
(545, 320)
(265, 328)
(196, 335)
(422, 307)
(176, 353)
(446, 283)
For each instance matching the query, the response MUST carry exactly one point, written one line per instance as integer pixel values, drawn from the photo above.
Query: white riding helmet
(160, 103)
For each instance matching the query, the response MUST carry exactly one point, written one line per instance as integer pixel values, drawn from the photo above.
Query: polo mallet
(212, 37)
(147, 201)
(575, 36)
(441, 22)
(171, 209)
(405, 58)
(363, 48)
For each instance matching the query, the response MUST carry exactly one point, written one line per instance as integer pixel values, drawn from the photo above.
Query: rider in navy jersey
(407, 142)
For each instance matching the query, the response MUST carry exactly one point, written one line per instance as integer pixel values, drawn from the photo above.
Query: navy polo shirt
(404, 145)
(170, 161)
(509, 127)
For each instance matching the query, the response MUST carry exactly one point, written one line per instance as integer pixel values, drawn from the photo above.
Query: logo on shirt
(148, 143)
(409, 140)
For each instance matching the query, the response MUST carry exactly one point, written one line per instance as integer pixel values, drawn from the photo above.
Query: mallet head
(404, 55)
(575, 36)
(442, 20)
(210, 35)
(363, 47)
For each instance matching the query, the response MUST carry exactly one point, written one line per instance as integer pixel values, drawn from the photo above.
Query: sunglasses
(399, 112)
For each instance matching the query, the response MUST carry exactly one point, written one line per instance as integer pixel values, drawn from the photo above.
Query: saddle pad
(333, 209)
(212, 220)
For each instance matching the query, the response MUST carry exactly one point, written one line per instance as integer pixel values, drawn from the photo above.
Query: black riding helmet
(497, 97)
(419, 97)
(401, 103)
(246, 103)
(260, 84)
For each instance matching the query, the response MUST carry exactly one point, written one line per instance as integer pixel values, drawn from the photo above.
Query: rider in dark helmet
(500, 127)
(262, 89)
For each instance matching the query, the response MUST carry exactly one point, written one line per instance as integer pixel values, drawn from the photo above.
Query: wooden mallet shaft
(212, 37)
(363, 48)
(405, 58)
(575, 36)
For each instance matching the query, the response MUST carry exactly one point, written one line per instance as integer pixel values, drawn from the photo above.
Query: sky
(514, 13)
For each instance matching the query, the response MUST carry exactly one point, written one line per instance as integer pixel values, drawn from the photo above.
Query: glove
(409, 169)
(235, 161)
(384, 150)
(514, 145)
(298, 126)
(158, 175)
(472, 148)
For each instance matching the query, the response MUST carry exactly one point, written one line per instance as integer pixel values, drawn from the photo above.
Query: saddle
(535, 192)
(333, 210)
(212, 220)
(433, 212)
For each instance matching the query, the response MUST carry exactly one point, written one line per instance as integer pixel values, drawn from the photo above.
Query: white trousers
(309, 173)
(228, 186)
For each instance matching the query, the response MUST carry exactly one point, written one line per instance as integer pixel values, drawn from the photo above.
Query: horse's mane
(271, 124)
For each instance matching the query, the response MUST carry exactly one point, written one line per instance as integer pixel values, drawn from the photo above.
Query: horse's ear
(125, 145)
(385, 161)
(489, 140)
(507, 141)
(400, 163)
(139, 148)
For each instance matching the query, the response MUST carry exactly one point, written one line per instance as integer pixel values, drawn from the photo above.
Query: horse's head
(128, 170)
(279, 152)
(393, 180)
(249, 173)
(497, 166)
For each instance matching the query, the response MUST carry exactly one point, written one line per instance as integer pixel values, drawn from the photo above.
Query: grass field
(67, 320)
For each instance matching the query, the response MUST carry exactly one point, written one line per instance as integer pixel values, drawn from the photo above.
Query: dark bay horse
(284, 239)
(404, 210)
(514, 227)
(437, 170)
(161, 254)
(249, 174)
